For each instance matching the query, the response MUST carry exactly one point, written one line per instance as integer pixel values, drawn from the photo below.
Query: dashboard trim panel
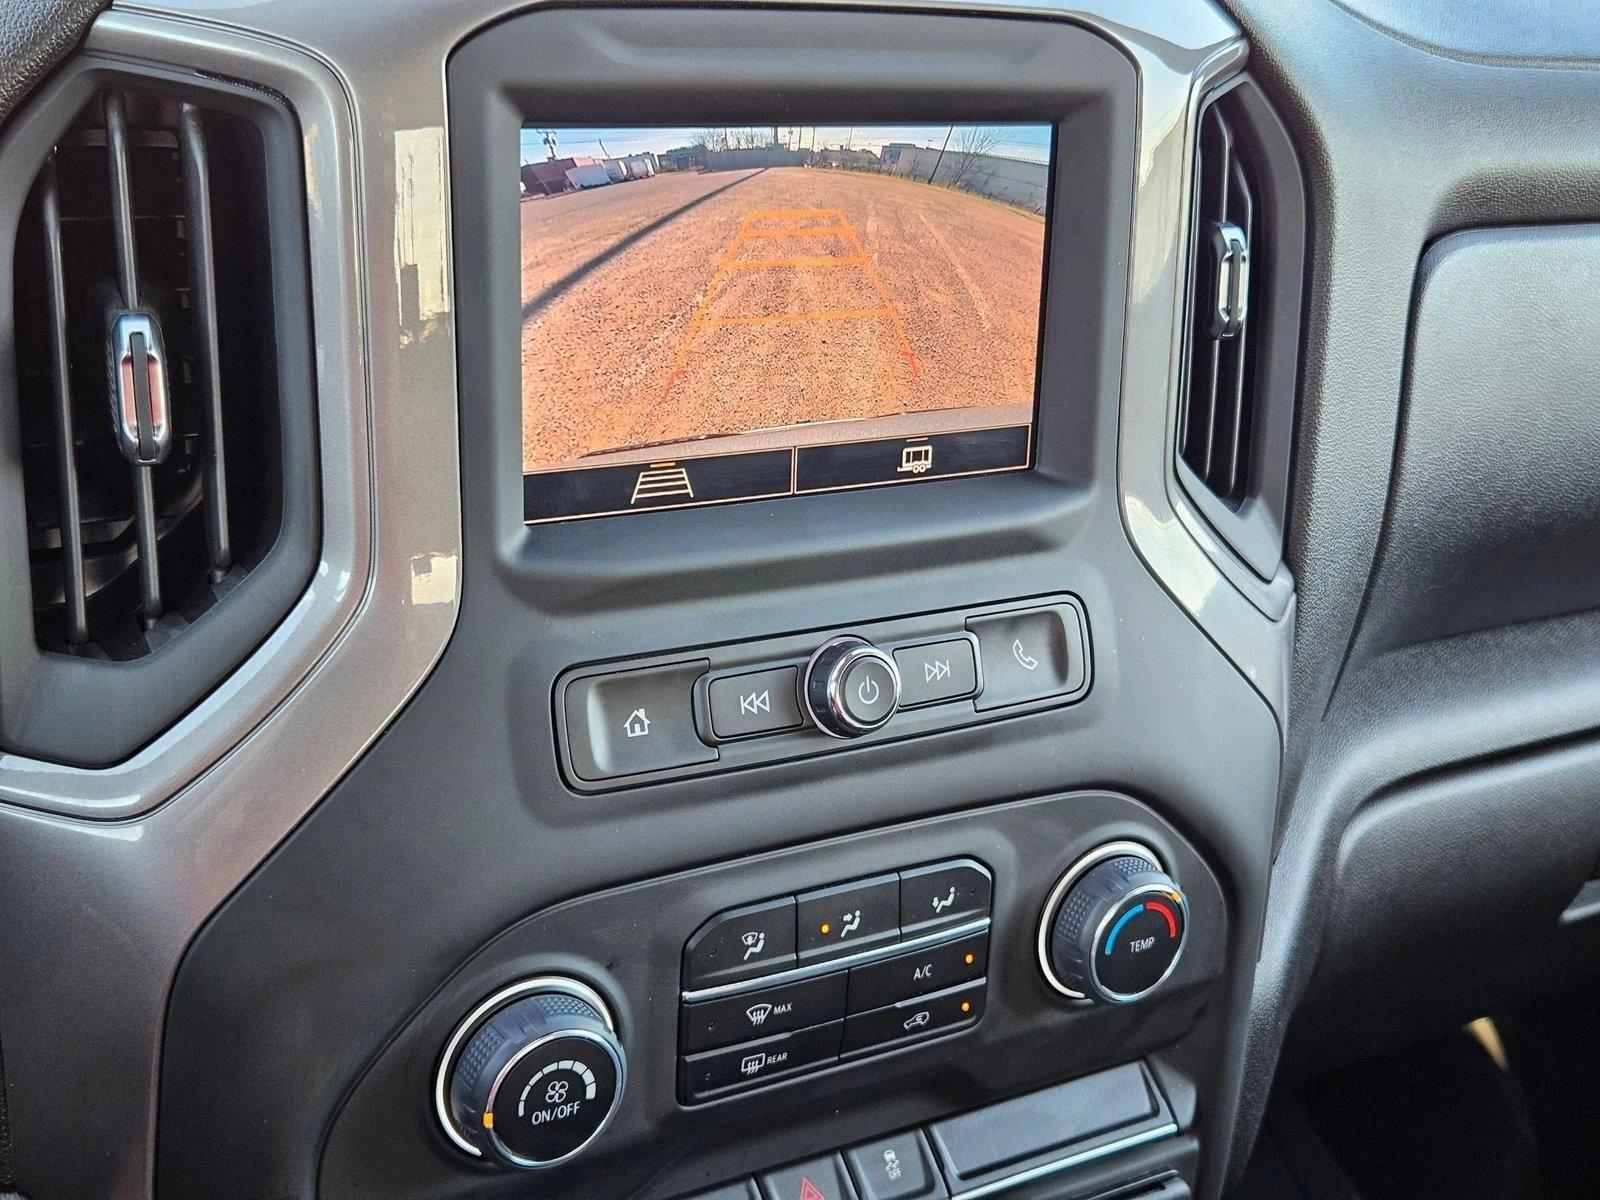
(371, 101)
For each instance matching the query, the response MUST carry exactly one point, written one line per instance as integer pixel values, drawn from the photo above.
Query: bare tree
(714, 139)
(973, 144)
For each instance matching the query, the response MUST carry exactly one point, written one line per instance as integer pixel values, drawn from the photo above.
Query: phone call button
(1030, 655)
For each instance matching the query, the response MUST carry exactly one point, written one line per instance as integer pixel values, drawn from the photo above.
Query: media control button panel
(635, 722)
(725, 707)
(832, 973)
(935, 671)
(754, 703)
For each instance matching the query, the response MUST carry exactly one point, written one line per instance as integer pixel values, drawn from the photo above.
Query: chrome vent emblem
(140, 403)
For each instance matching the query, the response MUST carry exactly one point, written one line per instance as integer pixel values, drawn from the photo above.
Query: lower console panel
(625, 948)
(1042, 1138)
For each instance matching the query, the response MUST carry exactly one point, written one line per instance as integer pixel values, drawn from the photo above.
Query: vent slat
(121, 199)
(1208, 396)
(144, 491)
(74, 594)
(203, 306)
(1242, 212)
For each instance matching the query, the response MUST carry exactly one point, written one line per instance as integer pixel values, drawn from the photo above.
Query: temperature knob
(533, 1075)
(1114, 927)
(851, 687)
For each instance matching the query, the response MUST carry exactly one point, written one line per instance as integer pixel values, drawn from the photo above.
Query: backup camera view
(733, 313)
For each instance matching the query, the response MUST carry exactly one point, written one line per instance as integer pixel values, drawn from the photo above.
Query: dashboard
(890, 626)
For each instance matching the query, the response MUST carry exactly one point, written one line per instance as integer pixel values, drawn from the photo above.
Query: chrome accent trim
(1101, 989)
(1231, 303)
(480, 1014)
(1142, 1138)
(858, 649)
(144, 430)
(1052, 904)
(812, 970)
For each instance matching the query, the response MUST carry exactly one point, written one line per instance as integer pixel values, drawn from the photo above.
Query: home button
(634, 722)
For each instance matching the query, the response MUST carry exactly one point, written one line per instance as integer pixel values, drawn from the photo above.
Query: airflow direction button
(942, 895)
(848, 918)
(741, 944)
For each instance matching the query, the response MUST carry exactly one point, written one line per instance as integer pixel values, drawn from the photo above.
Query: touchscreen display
(722, 314)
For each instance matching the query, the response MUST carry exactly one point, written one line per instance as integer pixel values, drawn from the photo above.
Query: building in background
(754, 156)
(1010, 180)
(856, 160)
(550, 177)
(682, 158)
(588, 173)
(631, 166)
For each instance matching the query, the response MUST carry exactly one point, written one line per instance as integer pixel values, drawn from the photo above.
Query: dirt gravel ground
(687, 306)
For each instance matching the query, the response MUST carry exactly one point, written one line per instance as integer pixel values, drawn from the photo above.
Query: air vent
(1236, 401)
(1217, 420)
(162, 407)
(143, 442)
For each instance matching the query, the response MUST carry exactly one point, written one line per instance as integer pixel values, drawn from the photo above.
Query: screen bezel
(678, 452)
(610, 65)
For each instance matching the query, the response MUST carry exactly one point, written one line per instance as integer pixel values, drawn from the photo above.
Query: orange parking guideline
(836, 225)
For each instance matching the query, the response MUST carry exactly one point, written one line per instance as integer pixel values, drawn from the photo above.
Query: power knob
(533, 1074)
(1114, 926)
(851, 687)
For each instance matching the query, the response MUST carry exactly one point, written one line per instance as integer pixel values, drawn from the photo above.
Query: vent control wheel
(533, 1075)
(1114, 926)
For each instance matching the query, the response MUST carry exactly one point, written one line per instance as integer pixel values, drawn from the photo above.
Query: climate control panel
(974, 956)
(801, 982)
(717, 708)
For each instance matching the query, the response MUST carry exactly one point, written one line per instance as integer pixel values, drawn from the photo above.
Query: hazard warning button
(814, 1179)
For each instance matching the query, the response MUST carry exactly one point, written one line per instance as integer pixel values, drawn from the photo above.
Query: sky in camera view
(1030, 142)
